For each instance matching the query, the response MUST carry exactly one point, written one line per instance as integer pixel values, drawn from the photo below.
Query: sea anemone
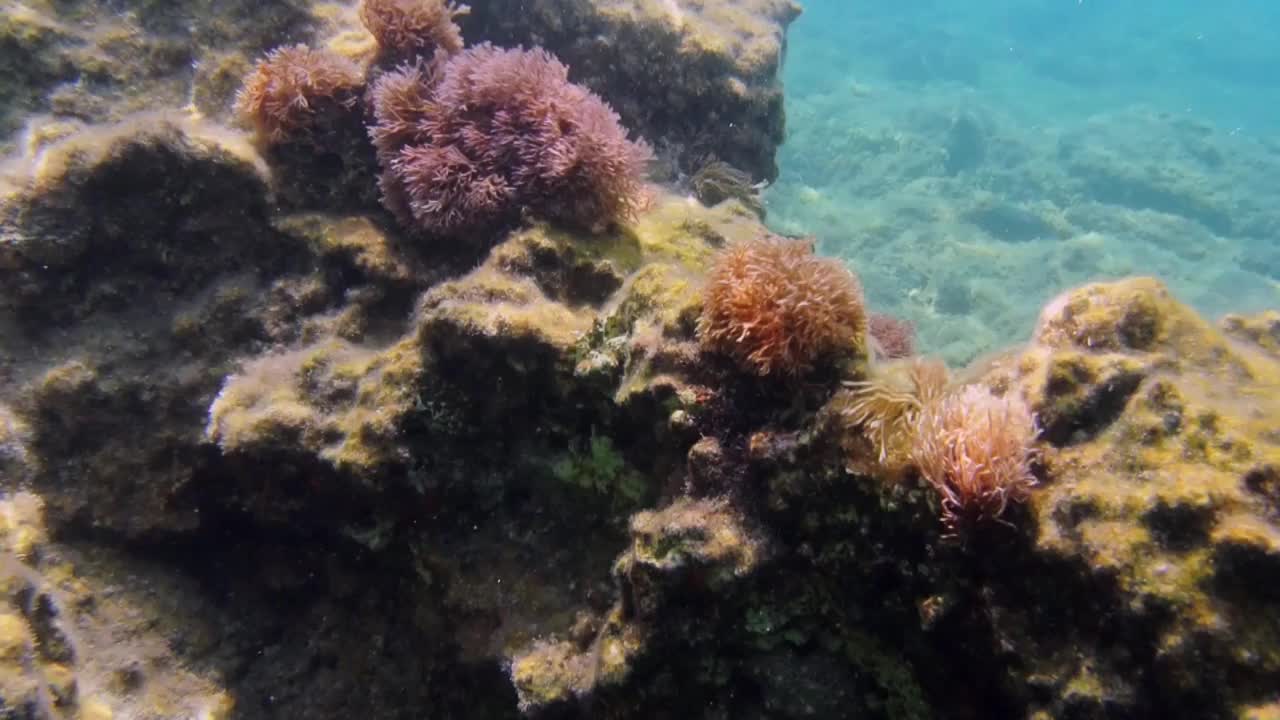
(491, 133)
(886, 408)
(892, 338)
(400, 105)
(293, 89)
(779, 309)
(976, 450)
(405, 28)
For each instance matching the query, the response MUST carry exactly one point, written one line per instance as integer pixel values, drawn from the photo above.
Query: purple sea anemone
(475, 139)
(407, 27)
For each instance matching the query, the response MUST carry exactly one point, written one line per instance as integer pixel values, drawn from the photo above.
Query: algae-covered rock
(275, 402)
(1135, 583)
(15, 458)
(99, 61)
(699, 80)
(1161, 490)
(702, 538)
(73, 647)
(187, 361)
(682, 555)
(294, 464)
(139, 261)
(109, 236)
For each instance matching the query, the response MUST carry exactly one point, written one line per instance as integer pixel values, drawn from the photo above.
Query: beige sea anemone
(976, 450)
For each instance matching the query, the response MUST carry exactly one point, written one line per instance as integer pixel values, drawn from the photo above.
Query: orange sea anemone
(779, 309)
(292, 87)
(976, 450)
(413, 27)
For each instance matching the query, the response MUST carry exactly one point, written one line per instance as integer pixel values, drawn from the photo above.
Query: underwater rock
(100, 60)
(1149, 546)
(73, 646)
(117, 240)
(1179, 176)
(343, 402)
(699, 544)
(696, 79)
(15, 458)
(1009, 222)
(966, 143)
(1162, 495)
(140, 261)
(179, 372)
(688, 552)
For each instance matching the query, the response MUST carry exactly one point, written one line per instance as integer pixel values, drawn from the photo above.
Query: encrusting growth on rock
(779, 309)
(892, 338)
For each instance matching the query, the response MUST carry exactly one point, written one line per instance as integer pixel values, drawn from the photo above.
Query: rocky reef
(271, 463)
(263, 455)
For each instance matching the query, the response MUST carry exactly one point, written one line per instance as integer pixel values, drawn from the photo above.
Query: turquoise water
(971, 160)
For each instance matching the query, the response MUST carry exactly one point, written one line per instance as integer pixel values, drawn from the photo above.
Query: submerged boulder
(1163, 456)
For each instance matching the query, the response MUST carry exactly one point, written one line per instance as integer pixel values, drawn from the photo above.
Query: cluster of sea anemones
(466, 138)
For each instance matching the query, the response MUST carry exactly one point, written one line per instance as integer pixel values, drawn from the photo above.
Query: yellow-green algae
(693, 532)
(357, 238)
(343, 402)
(1269, 711)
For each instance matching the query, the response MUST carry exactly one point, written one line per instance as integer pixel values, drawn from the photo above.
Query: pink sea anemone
(413, 27)
(976, 450)
(482, 136)
(892, 337)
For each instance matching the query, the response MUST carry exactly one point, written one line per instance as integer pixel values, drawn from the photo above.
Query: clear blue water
(971, 160)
